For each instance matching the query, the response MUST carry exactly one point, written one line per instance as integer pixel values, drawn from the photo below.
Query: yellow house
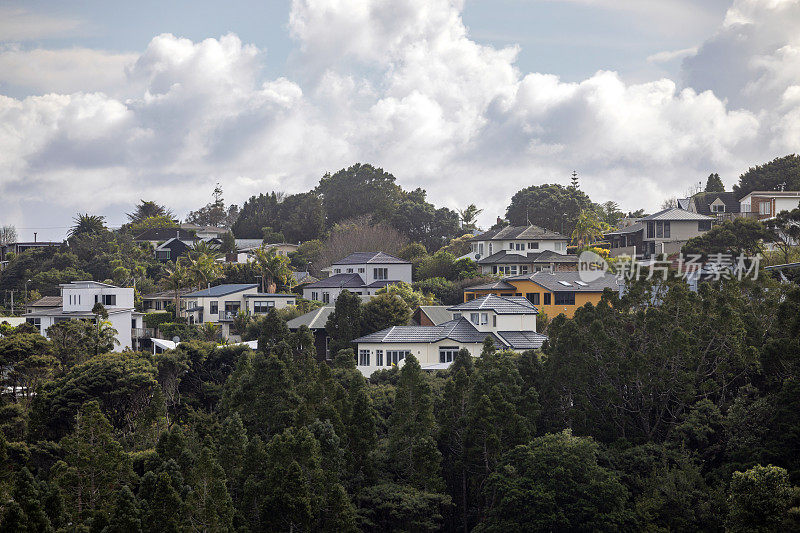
(551, 292)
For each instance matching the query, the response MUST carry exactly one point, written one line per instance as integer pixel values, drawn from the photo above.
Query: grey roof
(47, 301)
(222, 290)
(633, 228)
(458, 330)
(166, 295)
(271, 295)
(520, 232)
(313, 319)
(569, 281)
(702, 202)
(303, 277)
(502, 305)
(493, 286)
(361, 258)
(675, 213)
(246, 244)
(346, 281)
(523, 340)
(683, 203)
(163, 234)
(545, 256)
(383, 283)
(438, 314)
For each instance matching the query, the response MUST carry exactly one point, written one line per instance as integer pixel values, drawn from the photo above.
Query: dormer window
(718, 208)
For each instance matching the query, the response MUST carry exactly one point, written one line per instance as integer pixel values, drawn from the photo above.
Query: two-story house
(720, 205)
(221, 304)
(76, 303)
(764, 205)
(664, 232)
(514, 250)
(362, 273)
(510, 321)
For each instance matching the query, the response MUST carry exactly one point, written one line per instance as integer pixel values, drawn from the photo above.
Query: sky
(103, 103)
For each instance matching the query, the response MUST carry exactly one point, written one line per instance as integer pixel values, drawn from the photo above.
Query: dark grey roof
(545, 256)
(163, 234)
(270, 295)
(313, 319)
(493, 286)
(361, 258)
(346, 281)
(522, 340)
(222, 290)
(166, 295)
(383, 283)
(633, 228)
(569, 281)
(531, 233)
(702, 202)
(438, 314)
(47, 301)
(459, 330)
(674, 213)
(303, 277)
(195, 308)
(502, 305)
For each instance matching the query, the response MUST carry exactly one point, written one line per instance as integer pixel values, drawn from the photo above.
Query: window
(447, 354)
(289, 302)
(314, 295)
(361, 270)
(716, 208)
(158, 305)
(363, 358)
(659, 230)
(565, 298)
(666, 230)
(764, 208)
(378, 357)
(651, 230)
(484, 319)
(326, 298)
(36, 322)
(475, 318)
(480, 248)
(394, 357)
(133, 323)
(380, 273)
(214, 308)
(337, 270)
(547, 298)
(349, 270)
(163, 255)
(704, 225)
(533, 245)
(533, 297)
(456, 316)
(523, 269)
(520, 246)
(490, 248)
(494, 321)
(109, 299)
(511, 246)
(262, 306)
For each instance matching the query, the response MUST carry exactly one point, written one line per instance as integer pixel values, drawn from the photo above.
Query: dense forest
(672, 417)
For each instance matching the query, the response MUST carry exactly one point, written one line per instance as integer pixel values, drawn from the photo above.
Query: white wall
(426, 353)
(785, 204)
(82, 297)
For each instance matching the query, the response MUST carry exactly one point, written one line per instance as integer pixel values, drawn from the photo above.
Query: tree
(349, 192)
(383, 311)
(126, 515)
(214, 213)
(31, 515)
(8, 235)
(548, 206)
(714, 183)
(588, 228)
(149, 209)
(95, 466)
(556, 484)
(302, 217)
(210, 507)
(759, 499)
(469, 217)
(228, 245)
(610, 213)
(361, 234)
(740, 236)
(346, 322)
(275, 271)
(177, 278)
(257, 213)
(785, 228)
(669, 203)
(86, 224)
(406, 292)
(780, 173)
(204, 269)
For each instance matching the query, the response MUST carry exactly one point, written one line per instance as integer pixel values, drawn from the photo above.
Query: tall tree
(588, 228)
(714, 183)
(86, 224)
(780, 173)
(214, 213)
(275, 271)
(548, 206)
(759, 499)
(469, 217)
(176, 279)
(346, 321)
(358, 190)
(210, 507)
(8, 235)
(383, 311)
(147, 209)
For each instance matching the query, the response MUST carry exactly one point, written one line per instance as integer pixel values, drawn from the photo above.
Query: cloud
(671, 55)
(399, 84)
(21, 25)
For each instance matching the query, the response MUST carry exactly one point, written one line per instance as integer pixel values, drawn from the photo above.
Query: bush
(184, 331)
(155, 320)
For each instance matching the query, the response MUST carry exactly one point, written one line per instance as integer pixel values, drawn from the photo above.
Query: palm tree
(178, 278)
(274, 268)
(469, 216)
(204, 248)
(204, 269)
(86, 223)
(149, 209)
(588, 227)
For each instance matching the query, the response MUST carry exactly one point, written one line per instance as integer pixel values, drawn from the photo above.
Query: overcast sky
(104, 103)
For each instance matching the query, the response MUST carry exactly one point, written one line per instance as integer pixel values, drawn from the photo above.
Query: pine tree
(412, 427)
(163, 506)
(714, 183)
(345, 323)
(28, 496)
(126, 515)
(209, 506)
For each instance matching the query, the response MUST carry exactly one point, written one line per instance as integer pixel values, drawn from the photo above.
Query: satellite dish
(176, 339)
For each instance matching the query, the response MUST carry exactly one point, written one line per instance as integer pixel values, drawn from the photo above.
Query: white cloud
(671, 55)
(18, 24)
(399, 84)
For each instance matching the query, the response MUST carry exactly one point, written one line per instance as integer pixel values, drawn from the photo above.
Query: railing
(227, 316)
(142, 333)
(724, 217)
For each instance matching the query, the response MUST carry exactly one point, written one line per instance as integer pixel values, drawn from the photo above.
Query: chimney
(499, 220)
(34, 236)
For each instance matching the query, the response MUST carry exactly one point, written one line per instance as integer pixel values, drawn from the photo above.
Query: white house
(510, 321)
(221, 304)
(76, 302)
(764, 205)
(362, 273)
(515, 250)
(664, 232)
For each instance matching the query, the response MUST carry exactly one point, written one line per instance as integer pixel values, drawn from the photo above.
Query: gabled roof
(47, 301)
(362, 258)
(222, 290)
(569, 281)
(523, 340)
(545, 256)
(166, 295)
(531, 232)
(162, 234)
(345, 281)
(271, 295)
(493, 286)
(502, 305)
(438, 314)
(777, 194)
(301, 278)
(675, 213)
(633, 228)
(702, 202)
(169, 243)
(458, 330)
(313, 319)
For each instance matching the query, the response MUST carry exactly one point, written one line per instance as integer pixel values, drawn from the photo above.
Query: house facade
(514, 250)
(552, 293)
(315, 321)
(221, 304)
(362, 273)
(765, 205)
(76, 303)
(664, 232)
(159, 301)
(509, 321)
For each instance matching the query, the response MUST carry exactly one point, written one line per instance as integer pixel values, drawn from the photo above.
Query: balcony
(142, 333)
(228, 316)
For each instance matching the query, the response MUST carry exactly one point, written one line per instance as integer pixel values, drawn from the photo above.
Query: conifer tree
(345, 323)
(126, 515)
(209, 506)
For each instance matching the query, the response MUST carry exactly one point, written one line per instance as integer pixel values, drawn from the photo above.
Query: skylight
(581, 283)
(565, 283)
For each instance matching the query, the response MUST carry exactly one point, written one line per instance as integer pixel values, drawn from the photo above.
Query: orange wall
(525, 287)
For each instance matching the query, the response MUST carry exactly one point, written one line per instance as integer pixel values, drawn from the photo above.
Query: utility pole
(12, 291)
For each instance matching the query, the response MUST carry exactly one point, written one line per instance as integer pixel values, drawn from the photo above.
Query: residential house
(155, 236)
(509, 321)
(158, 301)
(764, 205)
(552, 293)
(19, 247)
(76, 303)
(175, 248)
(431, 315)
(362, 273)
(664, 232)
(721, 205)
(315, 321)
(516, 250)
(221, 304)
(204, 232)
(245, 247)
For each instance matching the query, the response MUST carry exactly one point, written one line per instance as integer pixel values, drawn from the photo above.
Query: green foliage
(780, 172)
(714, 183)
(760, 499)
(406, 292)
(156, 319)
(346, 322)
(383, 311)
(547, 206)
(736, 237)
